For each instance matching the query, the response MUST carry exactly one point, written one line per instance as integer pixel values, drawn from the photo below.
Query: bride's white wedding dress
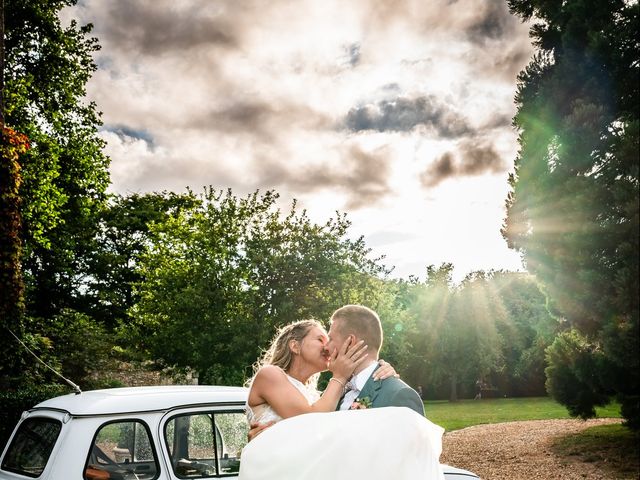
(373, 444)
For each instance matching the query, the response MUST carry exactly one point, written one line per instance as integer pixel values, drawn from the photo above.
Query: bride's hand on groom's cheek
(348, 358)
(257, 428)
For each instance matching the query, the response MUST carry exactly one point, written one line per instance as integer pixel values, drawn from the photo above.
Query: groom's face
(336, 335)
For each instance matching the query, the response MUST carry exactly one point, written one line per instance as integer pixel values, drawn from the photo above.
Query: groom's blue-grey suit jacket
(391, 392)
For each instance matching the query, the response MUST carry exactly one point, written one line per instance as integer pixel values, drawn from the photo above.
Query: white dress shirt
(358, 380)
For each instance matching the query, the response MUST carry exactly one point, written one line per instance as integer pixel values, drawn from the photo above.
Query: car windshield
(31, 446)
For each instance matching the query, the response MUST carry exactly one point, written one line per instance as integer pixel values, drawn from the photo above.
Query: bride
(380, 443)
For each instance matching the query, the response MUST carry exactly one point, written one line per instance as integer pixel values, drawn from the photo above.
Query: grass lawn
(464, 413)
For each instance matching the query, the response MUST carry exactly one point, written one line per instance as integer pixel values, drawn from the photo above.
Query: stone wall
(145, 374)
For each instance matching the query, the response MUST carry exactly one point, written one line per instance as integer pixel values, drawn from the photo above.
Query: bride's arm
(272, 387)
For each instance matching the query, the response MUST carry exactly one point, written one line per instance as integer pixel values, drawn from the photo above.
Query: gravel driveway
(519, 450)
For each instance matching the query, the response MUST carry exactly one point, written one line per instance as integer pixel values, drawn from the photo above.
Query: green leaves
(219, 276)
(573, 211)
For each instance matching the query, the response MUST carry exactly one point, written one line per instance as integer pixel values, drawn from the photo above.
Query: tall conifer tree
(573, 208)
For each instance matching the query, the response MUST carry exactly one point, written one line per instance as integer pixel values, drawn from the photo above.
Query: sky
(397, 112)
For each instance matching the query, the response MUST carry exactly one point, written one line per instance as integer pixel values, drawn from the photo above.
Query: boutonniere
(361, 403)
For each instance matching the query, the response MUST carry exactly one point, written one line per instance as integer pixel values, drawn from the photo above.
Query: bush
(81, 344)
(13, 403)
(572, 374)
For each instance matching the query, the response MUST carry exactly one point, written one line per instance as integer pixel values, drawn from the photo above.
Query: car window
(31, 446)
(122, 449)
(206, 444)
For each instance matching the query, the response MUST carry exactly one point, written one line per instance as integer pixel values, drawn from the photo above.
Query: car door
(203, 442)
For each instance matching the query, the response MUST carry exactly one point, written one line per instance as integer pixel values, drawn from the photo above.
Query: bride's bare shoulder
(270, 373)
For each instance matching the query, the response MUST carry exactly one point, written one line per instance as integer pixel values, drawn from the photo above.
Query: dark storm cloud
(511, 60)
(264, 120)
(494, 30)
(404, 114)
(241, 116)
(471, 159)
(493, 22)
(155, 27)
(361, 175)
(366, 183)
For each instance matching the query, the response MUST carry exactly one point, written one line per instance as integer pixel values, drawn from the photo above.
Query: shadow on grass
(614, 448)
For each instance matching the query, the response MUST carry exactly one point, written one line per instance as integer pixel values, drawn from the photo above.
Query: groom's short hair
(360, 321)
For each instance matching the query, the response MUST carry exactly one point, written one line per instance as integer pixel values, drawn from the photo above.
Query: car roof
(143, 399)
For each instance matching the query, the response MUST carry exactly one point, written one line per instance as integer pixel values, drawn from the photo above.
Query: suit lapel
(371, 389)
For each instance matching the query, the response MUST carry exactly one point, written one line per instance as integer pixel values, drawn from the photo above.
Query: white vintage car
(138, 433)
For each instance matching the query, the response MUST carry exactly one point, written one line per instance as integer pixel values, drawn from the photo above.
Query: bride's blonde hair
(279, 353)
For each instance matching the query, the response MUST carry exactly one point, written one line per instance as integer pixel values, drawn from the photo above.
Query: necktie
(351, 385)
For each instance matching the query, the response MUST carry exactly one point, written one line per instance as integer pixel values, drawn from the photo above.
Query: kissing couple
(366, 424)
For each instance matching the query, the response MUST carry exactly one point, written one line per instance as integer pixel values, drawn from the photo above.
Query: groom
(354, 323)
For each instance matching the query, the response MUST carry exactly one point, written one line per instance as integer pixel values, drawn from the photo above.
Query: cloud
(359, 175)
(125, 132)
(491, 22)
(163, 27)
(265, 121)
(353, 54)
(471, 160)
(404, 114)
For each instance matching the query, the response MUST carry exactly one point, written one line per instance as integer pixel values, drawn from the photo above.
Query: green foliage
(526, 330)
(72, 343)
(573, 374)
(63, 176)
(221, 276)
(574, 206)
(65, 172)
(80, 342)
(493, 326)
(454, 335)
(122, 236)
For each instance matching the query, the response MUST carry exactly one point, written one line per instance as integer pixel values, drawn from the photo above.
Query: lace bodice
(264, 413)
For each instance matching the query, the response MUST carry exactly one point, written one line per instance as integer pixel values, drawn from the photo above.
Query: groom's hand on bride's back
(256, 428)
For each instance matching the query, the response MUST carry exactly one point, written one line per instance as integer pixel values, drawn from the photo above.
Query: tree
(122, 236)
(219, 278)
(573, 208)
(452, 335)
(65, 173)
(62, 177)
(526, 331)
